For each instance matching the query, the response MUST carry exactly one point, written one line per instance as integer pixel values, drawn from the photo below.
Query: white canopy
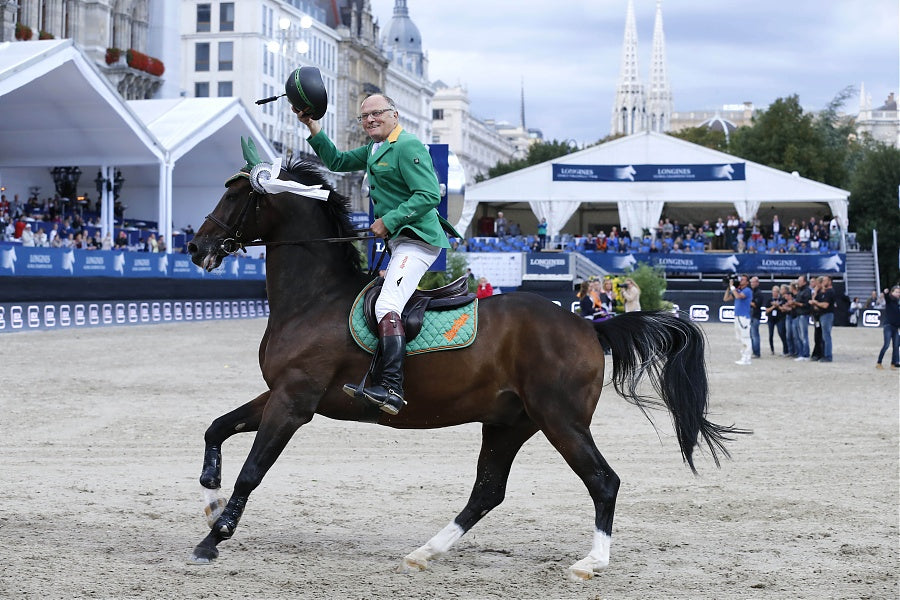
(58, 109)
(640, 203)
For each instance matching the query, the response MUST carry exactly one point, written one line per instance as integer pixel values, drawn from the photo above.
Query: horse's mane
(337, 207)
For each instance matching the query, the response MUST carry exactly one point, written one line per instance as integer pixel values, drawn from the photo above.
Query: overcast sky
(719, 52)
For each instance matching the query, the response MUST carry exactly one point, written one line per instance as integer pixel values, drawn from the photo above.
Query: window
(201, 56)
(201, 89)
(226, 56)
(204, 16)
(225, 89)
(437, 114)
(226, 16)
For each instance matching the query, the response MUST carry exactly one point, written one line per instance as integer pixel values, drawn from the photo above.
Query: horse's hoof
(580, 574)
(203, 556)
(412, 565)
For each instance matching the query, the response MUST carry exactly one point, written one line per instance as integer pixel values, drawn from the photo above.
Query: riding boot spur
(388, 393)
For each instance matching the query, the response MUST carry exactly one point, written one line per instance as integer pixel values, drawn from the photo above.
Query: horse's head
(267, 204)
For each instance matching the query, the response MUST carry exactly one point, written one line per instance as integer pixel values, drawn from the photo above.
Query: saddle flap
(452, 295)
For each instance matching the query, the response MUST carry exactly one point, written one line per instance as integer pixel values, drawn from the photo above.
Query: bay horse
(532, 367)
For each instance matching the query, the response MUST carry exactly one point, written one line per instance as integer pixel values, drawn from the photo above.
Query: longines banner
(780, 264)
(30, 316)
(657, 173)
(17, 260)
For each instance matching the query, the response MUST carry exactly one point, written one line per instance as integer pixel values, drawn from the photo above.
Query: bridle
(234, 242)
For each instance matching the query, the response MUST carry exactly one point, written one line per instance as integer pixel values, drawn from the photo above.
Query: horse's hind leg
(573, 440)
(499, 446)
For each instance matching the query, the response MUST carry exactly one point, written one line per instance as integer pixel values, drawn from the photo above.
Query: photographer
(740, 292)
(632, 295)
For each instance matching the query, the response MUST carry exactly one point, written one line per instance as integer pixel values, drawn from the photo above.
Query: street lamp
(287, 48)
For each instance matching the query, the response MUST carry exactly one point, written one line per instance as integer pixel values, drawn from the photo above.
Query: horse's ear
(251, 154)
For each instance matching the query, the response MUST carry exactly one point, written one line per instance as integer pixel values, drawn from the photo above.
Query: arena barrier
(18, 260)
(32, 316)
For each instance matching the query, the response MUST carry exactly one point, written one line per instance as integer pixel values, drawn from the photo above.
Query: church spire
(659, 100)
(629, 107)
(523, 105)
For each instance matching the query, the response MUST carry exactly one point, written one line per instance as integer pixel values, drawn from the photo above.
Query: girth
(452, 295)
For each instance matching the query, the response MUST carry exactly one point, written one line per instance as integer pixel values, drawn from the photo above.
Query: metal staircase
(860, 274)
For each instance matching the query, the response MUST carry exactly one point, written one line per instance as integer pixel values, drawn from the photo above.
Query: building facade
(113, 33)
(882, 124)
(477, 144)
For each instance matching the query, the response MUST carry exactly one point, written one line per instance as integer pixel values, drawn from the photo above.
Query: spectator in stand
(667, 229)
(27, 236)
(624, 240)
(793, 229)
(152, 245)
(756, 307)
(775, 320)
(542, 232)
(106, 243)
(601, 241)
(122, 241)
(40, 238)
(632, 295)
(776, 227)
(891, 327)
(732, 224)
(161, 244)
(500, 225)
(485, 290)
(876, 302)
(719, 235)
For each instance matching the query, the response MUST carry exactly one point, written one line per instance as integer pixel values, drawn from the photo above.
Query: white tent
(640, 202)
(58, 109)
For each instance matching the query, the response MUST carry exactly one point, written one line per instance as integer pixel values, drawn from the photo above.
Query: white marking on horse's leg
(591, 564)
(213, 504)
(417, 560)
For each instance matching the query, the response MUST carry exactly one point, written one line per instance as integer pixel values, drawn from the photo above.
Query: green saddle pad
(441, 329)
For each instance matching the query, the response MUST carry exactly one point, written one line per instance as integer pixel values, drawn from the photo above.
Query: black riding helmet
(306, 92)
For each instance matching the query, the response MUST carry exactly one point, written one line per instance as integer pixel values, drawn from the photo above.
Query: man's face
(744, 281)
(378, 127)
(754, 283)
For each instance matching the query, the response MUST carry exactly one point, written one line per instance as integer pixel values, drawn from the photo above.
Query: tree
(874, 187)
(537, 153)
(704, 136)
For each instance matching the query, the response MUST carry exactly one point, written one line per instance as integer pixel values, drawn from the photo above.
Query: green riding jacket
(402, 182)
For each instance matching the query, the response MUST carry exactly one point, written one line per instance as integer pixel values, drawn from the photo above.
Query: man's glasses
(374, 113)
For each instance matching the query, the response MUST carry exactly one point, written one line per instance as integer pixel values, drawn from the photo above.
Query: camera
(626, 285)
(729, 280)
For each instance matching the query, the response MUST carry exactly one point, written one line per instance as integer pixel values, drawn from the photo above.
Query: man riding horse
(405, 195)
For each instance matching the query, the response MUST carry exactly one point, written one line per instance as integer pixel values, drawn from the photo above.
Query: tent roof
(762, 183)
(58, 109)
(181, 124)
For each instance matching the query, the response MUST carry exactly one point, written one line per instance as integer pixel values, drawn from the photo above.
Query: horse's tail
(672, 352)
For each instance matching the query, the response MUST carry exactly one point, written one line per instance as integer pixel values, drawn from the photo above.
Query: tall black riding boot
(388, 393)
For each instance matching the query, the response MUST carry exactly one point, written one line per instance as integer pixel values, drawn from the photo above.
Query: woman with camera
(632, 294)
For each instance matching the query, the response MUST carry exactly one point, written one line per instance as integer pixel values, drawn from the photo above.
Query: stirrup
(391, 404)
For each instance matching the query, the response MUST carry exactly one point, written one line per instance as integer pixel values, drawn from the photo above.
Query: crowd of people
(729, 233)
(790, 309)
(599, 300)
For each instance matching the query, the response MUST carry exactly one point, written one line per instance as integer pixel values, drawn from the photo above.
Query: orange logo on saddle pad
(457, 325)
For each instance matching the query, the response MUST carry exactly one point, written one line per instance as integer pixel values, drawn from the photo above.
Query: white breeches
(409, 262)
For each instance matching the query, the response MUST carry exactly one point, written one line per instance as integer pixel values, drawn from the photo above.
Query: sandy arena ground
(102, 446)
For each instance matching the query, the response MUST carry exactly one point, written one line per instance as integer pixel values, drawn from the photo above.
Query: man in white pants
(742, 296)
(405, 194)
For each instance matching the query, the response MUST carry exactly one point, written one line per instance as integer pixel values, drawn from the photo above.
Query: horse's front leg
(241, 420)
(281, 417)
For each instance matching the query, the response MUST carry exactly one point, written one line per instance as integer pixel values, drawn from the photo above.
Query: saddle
(452, 295)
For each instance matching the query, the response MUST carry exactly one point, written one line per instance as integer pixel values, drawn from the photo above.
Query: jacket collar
(391, 138)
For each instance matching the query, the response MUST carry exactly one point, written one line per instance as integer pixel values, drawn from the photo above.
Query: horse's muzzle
(206, 256)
